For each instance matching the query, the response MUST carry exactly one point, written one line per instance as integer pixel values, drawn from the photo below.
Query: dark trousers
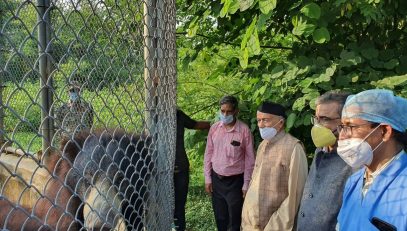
(227, 201)
(181, 182)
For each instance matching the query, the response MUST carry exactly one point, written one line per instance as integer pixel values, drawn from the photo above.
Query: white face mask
(226, 119)
(267, 133)
(356, 152)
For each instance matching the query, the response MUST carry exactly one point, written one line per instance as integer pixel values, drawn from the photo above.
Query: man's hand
(208, 188)
(244, 193)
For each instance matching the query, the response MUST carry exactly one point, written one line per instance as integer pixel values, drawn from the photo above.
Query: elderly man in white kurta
(279, 175)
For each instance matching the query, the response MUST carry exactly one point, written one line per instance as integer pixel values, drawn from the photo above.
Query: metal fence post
(44, 68)
(2, 130)
(2, 76)
(151, 79)
(150, 68)
(158, 116)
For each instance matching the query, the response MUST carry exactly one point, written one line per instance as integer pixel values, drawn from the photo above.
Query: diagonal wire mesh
(87, 114)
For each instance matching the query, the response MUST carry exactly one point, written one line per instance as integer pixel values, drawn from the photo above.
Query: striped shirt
(229, 152)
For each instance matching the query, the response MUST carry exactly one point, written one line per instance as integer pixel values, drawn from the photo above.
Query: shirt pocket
(235, 148)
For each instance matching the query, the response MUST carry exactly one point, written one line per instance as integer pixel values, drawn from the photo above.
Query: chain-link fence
(87, 114)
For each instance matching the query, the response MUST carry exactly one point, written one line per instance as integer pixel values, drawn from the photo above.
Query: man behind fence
(74, 115)
(279, 175)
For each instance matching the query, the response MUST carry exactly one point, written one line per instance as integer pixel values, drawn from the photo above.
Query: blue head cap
(378, 106)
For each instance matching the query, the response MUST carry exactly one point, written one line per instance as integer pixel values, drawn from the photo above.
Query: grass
(29, 141)
(120, 107)
(199, 213)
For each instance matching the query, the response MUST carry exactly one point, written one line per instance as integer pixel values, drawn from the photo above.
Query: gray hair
(334, 96)
(229, 100)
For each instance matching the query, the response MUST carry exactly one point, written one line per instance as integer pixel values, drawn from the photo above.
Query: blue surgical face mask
(226, 119)
(267, 133)
(73, 96)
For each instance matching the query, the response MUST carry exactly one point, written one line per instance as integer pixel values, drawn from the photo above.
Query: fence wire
(87, 114)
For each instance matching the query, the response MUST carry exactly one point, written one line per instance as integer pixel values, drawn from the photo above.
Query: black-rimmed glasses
(348, 129)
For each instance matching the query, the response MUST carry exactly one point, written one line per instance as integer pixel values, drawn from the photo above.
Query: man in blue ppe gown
(373, 136)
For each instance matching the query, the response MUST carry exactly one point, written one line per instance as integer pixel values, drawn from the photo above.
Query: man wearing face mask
(373, 136)
(74, 115)
(322, 196)
(279, 175)
(228, 165)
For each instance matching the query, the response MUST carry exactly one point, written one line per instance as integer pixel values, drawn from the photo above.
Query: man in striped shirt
(228, 165)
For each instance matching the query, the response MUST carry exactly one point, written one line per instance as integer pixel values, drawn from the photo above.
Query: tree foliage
(99, 43)
(292, 51)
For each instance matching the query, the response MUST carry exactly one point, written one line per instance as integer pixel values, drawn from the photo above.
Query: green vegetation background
(289, 52)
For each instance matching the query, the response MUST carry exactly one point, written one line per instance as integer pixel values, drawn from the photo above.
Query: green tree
(292, 51)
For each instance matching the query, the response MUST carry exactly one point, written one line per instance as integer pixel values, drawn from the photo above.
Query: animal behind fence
(99, 182)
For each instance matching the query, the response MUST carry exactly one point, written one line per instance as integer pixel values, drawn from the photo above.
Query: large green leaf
(234, 6)
(326, 76)
(244, 58)
(305, 83)
(193, 27)
(225, 8)
(312, 10)
(248, 34)
(321, 35)
(391, 64)
(370, 53)
(391, 82)
(245, 4)
(254, 44)
(299, 104)
(301, 26)
(343, 80)
(262, 21)
(291, 74)
(251, 39)
(349, 58)
(267, 5)
(192, 30)
(290, 120)
(277, 72)
(307, 119)
(229, 7)
(262, 89)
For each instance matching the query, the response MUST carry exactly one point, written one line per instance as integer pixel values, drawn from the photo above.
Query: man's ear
(387, 132)
(282, 125)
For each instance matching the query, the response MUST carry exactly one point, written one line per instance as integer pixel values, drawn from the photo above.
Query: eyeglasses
(348, 129)
(322, 120)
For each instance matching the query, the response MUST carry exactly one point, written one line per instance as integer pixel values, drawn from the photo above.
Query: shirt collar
(235, 127)
(378, 171)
